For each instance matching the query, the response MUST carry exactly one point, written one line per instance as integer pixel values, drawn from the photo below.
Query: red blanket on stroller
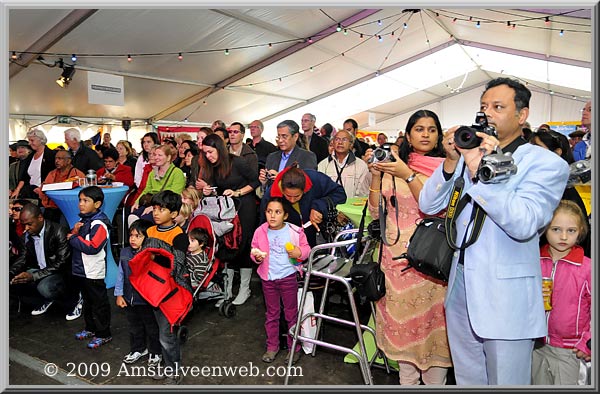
(151, 277)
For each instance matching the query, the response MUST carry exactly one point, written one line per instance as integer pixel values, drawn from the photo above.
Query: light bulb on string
(508, 24)
(14, 55)
(180, 57)
(226, 52)
(361, 37)
(311, 69)
(270, 45)
(454, 20)
(310, 40)
(405, 25)
(339, 27)
(129, 59)
(478, 24)
(393, 33)
(73, 58)
(562, 33)
(379, 22)
(380, 38)
(547, 21)
(345, 32)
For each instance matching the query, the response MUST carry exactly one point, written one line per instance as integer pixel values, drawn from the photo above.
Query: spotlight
(126, 124)
(66, 77)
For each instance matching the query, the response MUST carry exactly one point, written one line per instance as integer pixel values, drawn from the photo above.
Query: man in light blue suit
(494, 306)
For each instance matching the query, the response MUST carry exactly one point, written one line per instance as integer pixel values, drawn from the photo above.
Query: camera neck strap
(383, 213)
(455, 207)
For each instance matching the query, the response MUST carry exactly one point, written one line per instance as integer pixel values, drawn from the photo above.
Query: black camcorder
(465, 137)
(496, 168)
(383, 153)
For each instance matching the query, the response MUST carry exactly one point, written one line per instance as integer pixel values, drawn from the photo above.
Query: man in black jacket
(40, 275)
(84, 158)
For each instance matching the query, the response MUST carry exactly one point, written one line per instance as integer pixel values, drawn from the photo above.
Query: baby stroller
(210, 280)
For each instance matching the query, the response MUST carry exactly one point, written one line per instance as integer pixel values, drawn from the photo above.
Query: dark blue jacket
(89, 246)
(123, 285)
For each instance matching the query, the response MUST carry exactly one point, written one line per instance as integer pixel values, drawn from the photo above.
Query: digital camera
(383, 153)
(496, 168)
(465, 137)
(579, 172)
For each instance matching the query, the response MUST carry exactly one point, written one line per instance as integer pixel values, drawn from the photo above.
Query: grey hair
(312, 117)
(39, 134)
(291, 125)
(73, 134)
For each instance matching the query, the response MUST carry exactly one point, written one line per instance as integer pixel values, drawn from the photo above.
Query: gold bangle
(375, 191)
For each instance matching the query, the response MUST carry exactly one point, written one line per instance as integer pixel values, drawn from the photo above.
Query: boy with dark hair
(165, 208)
(143, 329)
(89, 238)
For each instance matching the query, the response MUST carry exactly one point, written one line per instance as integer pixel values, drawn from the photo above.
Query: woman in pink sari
(410, 320)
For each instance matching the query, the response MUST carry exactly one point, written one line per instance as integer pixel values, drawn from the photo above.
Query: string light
(405, 25)
(380, 38)
(377, 73)
(508, 25)
(226, 52)
(392, 33)
(562, 33)
(345, 32)
(478, 24)
(73, 58)
(547, 21)
(180, 57)
(311, 69)
(339, 27)
(14, 54)
(270, 45)
(310, 40)
(361, 37)
(379, 22)
(129, 59)
(454, 20)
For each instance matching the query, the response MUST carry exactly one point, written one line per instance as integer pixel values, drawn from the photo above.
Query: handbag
(145, 199)
(329, 226)
(308, 329)
(428, 249)
(369, 280)
(218, 208)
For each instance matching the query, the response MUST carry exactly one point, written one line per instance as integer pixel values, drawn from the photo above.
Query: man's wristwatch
(411, 178)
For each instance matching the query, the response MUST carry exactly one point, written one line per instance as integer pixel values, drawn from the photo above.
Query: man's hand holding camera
(473, 156)
(265, 175)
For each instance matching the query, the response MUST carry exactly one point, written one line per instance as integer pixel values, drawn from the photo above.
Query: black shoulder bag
(431, 247)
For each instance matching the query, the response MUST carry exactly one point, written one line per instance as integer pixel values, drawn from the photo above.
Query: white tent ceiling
(334, 75)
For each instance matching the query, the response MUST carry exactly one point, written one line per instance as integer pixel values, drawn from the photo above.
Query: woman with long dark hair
(231, 177)
(410, 320)
(148, 141)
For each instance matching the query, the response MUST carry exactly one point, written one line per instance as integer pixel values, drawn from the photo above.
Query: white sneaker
(134, 356)
(76, 313)
(42, 309)
(154, 359)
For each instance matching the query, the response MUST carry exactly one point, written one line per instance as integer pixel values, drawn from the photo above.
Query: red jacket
(122, 174)
(570, 317)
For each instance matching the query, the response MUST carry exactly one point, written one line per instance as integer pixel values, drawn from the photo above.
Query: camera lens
(466, 138)
(486, 173)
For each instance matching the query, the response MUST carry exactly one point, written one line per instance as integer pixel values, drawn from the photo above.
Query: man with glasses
(344, 168)
(261, 146)
(314, 142)
(287, 137)
(64, 170)
(238, 148)
(40, 275)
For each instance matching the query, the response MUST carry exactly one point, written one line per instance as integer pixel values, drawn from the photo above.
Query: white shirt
(35, 170)
(38, 242)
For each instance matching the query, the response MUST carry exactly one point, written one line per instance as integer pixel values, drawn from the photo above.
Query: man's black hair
(522, 94)
(93, 192)
(354, 124)
(167, 199)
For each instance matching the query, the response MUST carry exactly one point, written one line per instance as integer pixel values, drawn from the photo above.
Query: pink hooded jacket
(570, 317)
(261, 241)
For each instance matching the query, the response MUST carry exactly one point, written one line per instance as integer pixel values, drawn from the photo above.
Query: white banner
(105, 89)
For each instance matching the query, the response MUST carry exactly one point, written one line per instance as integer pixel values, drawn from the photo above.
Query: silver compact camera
(496, 168)
(383, 153)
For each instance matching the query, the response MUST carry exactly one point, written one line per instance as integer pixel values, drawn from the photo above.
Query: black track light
(67, 75)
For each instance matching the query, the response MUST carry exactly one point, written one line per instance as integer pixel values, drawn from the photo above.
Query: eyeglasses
(283, 136)
(337, 139)
(234, 131)
(17, 209)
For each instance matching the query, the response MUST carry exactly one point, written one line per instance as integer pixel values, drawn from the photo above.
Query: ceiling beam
(262, 64)
(51, 37)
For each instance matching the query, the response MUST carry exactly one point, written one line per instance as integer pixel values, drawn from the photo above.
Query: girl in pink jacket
(278, 247)
(555, 358)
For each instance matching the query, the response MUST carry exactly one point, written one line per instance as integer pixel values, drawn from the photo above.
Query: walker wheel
(228, 310)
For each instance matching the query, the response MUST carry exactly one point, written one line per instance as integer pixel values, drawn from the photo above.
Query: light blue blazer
(502, 269)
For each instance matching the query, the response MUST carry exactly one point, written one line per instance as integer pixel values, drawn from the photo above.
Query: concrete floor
(213, 341)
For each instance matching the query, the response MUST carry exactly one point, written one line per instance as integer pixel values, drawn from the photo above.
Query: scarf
(424, 164)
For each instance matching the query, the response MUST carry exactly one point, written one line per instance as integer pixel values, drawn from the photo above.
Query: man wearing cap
(22, 150)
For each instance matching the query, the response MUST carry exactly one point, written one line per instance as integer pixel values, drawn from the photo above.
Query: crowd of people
(488, 325)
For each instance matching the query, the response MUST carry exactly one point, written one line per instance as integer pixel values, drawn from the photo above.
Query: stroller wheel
(227, 309)
(182, 334)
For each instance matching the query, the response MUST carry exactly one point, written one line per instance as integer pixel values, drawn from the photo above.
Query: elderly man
(314, 142)
(41, 272)
(344, 168)
(84, 158)
(261, 146)
(288, 133)
(64, 170)
(22, 150)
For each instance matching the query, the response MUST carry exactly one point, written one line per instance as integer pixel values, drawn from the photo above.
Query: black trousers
(96, 308)
(143, 329)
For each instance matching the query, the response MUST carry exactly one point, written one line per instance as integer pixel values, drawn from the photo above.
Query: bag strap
(339, 171)
(359, 236)
(168, 176)
(456, 204)
(383, 213)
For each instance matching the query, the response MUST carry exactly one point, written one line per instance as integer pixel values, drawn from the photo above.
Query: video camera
(465, 137)
(496, 168)
(580, 172)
